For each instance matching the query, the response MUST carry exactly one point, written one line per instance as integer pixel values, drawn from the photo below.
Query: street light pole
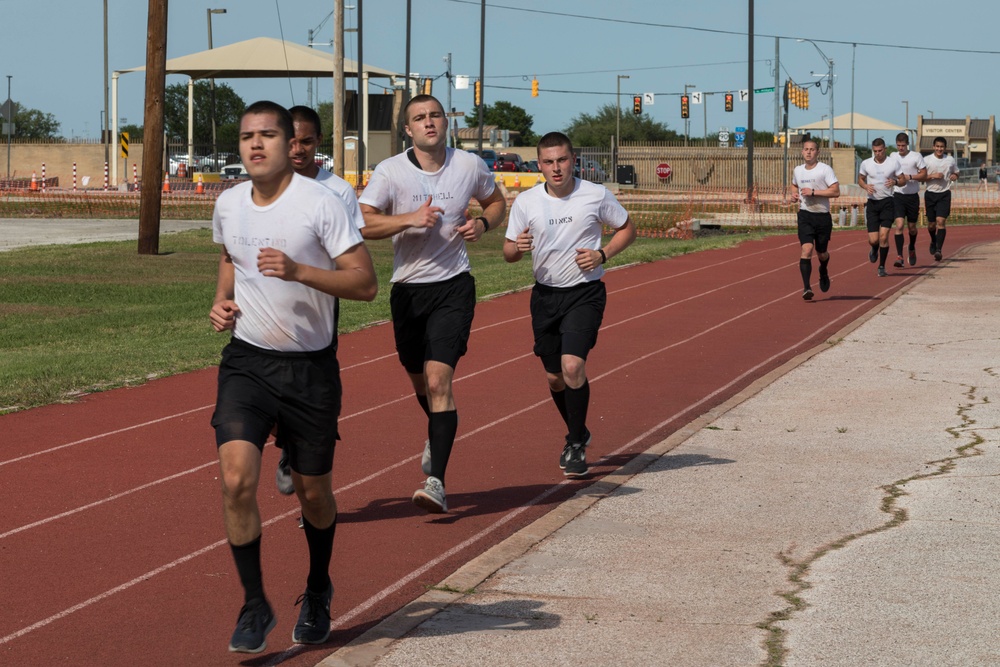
(10, 122)
(618, 124)
(829, 64)
(907, 127)
(211, 82)
(106, 140)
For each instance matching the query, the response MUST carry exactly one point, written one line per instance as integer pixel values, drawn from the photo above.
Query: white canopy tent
(861, 122)
(261, 57)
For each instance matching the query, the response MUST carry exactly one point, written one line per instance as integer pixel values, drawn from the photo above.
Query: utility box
(625, 175)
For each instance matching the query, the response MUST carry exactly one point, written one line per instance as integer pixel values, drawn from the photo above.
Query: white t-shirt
(397, 186)
(345, 191)
(909, 164)
(878, 173)
(309, 224)
(945, 165)
(820, 177)
(561, 225)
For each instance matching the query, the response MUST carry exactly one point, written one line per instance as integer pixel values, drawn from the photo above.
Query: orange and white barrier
(34, 182)
(200, 188)
(166, 182)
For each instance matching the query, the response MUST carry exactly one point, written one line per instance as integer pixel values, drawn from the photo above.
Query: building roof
(861, 122)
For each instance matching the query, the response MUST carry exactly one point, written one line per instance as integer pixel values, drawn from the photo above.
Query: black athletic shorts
(565, 320)
(299, 392)
(815, 228)
(906, 206)
(879, 213)
(937, 205)
(432, 321)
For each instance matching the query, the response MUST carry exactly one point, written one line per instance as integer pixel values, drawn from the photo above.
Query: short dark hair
(810, 140)
(903, 136)
(266, 106)
(553, 139)
(941, 140)
(878, 142)
(419, 99)
(302, 113)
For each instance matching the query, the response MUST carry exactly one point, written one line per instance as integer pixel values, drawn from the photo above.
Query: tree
(597, 129)
(506, 116)
(134, 132)
(35, 124)
(229, 107)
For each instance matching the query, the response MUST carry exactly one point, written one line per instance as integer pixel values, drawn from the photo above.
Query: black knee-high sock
(932, 232)
(442, 430)
(559, 398)
(939, 238)
(883, 253)
(913, 240)
(247, 557)
(823, 271)
(320, 543)
(899, 243)
(577, 402)
(806, 269)
(424, 404)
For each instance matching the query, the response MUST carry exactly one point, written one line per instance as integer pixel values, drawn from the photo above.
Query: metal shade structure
(257, 58)
(861, 122)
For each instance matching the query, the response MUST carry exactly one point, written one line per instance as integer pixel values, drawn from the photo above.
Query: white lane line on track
(389, 590)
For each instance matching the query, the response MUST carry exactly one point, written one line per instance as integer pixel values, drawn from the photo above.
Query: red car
(510, 162)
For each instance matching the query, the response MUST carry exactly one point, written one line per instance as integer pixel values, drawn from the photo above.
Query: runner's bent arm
(354, 278)
(622, 238)
(224, 309)
(379, 225)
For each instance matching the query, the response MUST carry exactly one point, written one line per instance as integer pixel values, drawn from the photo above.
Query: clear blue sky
(54, 51)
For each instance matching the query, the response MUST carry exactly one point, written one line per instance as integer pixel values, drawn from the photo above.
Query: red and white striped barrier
(43, 178)
(74, 178)
(135, 178)
(105, 176)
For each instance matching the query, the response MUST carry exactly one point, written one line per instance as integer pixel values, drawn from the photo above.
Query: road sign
(648, 99)
(741, 130)
(744, 95)
(8, 110)
(124, 145)
(663, 171)
(695, 97)
(764, 90)
(724, 136)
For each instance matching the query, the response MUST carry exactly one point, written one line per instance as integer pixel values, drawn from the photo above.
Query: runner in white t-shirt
(308, 136)
(560, 222)
(420, 199)
(289, 249)
(941, 173)
(815, 185)
(906, 197)
(877, 176)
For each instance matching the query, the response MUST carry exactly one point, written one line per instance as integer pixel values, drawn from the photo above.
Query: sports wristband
(604, 258)
(486, 224)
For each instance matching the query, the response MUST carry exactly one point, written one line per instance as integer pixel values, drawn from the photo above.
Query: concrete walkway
(843, 511)
(20, 232)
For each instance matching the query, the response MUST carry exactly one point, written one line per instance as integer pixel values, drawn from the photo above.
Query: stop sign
(663, 170)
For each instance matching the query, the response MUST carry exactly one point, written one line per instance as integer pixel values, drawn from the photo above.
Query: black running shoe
(576, 461)
(255, 621)
(899, 262)
(881, 272)
(313, 626)
(873, 254)
(824, 282)
(807, 294)
(569, 448)
(937, 255)
(913, 257)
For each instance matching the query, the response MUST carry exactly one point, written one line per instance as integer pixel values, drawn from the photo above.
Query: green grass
(83, 318)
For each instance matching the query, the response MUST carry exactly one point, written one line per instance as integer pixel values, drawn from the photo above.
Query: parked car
(324, 161)
(511, 162)
(531, 165)
(589, 170)
(233, 172)
(214, 163)
(175, 161)
(490, 157)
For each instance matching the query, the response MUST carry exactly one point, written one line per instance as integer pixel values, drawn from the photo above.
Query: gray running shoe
(899, 262)
(881, 272)
(313, 626)
(255, 621)
(569, 448)
(431, 498)
(425, 460)
(283, 476)
(807, 294)
(576, 461)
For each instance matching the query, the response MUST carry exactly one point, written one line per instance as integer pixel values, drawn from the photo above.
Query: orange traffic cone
(34, 182)
(200, 188)
(517, 180)
(166, 182)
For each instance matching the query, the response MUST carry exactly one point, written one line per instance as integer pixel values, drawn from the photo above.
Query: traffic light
(685, 108)
(428, 85)
(479, 92)
(534, 87)
(637, 105)
(805, 98)
(729, 101)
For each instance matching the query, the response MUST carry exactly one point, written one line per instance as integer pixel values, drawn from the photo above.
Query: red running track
(112, 548)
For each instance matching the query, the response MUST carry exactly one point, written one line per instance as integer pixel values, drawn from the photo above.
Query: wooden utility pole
(156, 81)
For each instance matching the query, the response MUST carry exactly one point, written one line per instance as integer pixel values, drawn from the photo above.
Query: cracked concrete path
(846, 514)
(20, 232)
